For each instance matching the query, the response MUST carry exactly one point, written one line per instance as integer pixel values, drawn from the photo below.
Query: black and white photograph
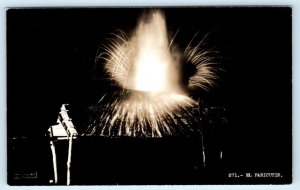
(198, 95)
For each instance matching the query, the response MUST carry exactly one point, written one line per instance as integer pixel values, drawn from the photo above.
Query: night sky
(51, 60)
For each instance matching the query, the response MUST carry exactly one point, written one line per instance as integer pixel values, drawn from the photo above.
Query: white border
(96, 3)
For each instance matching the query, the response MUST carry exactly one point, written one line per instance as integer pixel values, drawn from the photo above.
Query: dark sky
(51, 55)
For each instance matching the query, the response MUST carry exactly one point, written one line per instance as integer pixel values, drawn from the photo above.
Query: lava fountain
(154, 64)
(152, 103)
(144, 62)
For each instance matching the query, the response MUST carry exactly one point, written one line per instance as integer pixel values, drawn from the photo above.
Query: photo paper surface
(149, 96)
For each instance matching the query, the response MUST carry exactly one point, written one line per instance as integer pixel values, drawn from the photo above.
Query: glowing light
(154, 105)
(136, 113)
(143, 62)
(205, 75)
(153, 58)
(151, 75)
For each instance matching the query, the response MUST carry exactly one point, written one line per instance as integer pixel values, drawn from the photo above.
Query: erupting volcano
(147, 68)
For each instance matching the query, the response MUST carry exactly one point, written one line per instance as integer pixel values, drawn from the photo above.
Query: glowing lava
(154, 104)
(142, 114)
(153, 60)
(144, 62)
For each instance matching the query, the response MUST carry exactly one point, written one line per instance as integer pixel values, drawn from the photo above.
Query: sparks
(136, 113)
(143, 62)
(152, 103)
(205, 75)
